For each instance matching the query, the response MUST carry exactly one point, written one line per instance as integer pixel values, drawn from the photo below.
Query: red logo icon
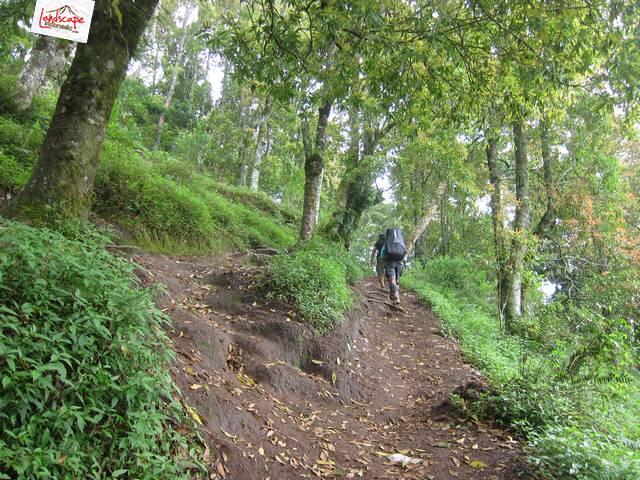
(63, 17)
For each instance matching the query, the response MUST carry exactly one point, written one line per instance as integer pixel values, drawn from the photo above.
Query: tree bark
(547, 221)
(497, 217)
(428, 214)
(62, 180)
(313, 171)
(261, 134)
(514, 307)
(180, 55)
(48, 54)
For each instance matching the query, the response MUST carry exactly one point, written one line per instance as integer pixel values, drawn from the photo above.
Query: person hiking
(394, 252)
(376, 253)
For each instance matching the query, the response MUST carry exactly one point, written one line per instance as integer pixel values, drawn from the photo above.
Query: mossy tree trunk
(357, 192)
(430, 210)
(61, 183)
(313, 170)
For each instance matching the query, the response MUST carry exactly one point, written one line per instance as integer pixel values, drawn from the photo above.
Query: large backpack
(395, 248)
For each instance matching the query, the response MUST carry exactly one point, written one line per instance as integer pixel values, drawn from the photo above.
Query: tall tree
(313, 169)
(62, 180)
(262, 132)
(515, 304)
(177, 67)
(497, 219)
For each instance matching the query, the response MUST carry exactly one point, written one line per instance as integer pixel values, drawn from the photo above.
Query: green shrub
(315, 280)
(13, 175)
(577, 426)
(85, 388)
(458, 275)
(8, 94)
(21, 141)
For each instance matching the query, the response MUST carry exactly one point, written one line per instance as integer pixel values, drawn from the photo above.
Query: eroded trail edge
(278, 402)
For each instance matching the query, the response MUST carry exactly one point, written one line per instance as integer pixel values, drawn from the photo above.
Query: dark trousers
(393, 272)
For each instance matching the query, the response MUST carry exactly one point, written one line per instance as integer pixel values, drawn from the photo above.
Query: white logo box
(70, 19)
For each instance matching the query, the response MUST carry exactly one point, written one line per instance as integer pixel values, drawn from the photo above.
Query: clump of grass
(315, 279)
(85, 388)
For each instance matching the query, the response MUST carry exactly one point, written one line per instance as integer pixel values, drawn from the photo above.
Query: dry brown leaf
(220, 469)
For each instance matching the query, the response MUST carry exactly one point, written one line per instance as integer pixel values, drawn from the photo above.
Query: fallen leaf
(478, 464)
(194, 415)
(220, 469)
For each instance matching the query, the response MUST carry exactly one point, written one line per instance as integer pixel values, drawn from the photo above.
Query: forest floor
(276, 401)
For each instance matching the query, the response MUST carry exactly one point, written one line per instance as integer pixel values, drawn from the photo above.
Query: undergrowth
(578, 426)
(169, 206)
(315, 279)
(85, 388)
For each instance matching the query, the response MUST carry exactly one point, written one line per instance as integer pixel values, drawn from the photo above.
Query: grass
(577, 428)
(169, 206)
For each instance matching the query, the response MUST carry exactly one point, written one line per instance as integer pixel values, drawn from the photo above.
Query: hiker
(376, 253)
(393, 253)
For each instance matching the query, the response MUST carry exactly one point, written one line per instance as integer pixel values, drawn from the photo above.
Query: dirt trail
(278, 402)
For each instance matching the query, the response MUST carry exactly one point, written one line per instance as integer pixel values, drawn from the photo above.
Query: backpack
(395, 248)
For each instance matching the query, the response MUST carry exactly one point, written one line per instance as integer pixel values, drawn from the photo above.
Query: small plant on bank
(315, 279)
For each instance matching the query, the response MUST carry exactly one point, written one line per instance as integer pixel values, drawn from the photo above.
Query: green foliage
(19, 146)
(315, 279)
(85, 388)
(463, 275)
(7, 94)
(578, 426)
(170, 206)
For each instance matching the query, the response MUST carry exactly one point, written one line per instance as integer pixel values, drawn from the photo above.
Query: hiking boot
(381, 280)
(395, 299)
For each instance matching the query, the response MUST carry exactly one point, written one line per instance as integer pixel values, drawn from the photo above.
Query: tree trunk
(497, 217)
(61, 183)
(313, 172)
(261, 133)
(514, 307)
(48, 54)
(444, 226)
(548, 219)
(428, 214)
(180, 55)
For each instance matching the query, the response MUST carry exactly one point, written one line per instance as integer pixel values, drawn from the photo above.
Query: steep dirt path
(277, 402)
